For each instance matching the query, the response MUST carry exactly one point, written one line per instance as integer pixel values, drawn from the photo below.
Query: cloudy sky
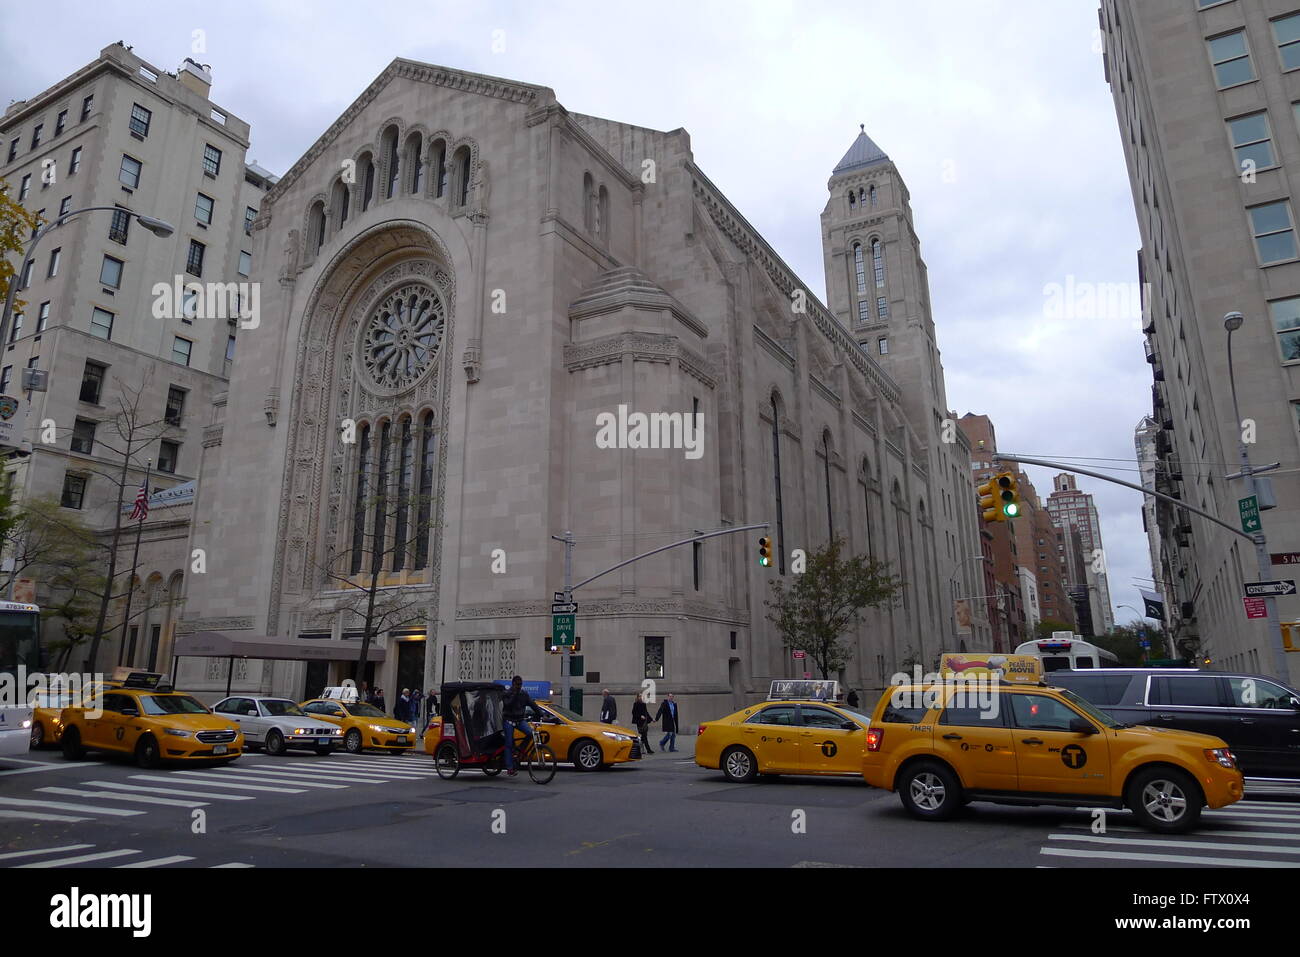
(996, 113)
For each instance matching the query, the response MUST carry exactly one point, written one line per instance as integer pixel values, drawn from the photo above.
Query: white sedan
(277, 724)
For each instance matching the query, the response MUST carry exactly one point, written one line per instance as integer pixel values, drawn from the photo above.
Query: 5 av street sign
(1249, 507)
(1262, 589)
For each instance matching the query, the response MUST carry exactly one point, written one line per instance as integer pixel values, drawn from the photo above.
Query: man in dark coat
(852, 699)
(641, 720)
(608, 708)
(671, 722)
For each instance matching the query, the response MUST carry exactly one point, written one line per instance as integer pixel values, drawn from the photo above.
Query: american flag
(141, 510)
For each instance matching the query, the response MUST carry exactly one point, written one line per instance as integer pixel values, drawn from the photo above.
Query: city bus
(1067, 650)
(20, 657)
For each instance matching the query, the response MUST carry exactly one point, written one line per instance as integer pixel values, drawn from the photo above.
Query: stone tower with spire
(878, 287)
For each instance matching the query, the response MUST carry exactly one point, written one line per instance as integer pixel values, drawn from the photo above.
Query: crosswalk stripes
(209, 795)
(1246, 834)
(44, 857)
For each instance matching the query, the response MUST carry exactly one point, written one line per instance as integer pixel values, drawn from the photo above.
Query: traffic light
(1008, 494)
(988, 503)
(765, 551)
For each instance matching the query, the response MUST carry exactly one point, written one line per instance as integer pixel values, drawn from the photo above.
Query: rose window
(401, 338)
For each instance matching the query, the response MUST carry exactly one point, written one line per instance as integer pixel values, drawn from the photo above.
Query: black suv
(1258, 717)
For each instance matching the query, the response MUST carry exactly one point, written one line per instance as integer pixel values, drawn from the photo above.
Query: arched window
(367, 181)
(439, 160)
(339, 202)
(318, 225)
(859, 268)
(878, 263)
(415, 162)
(776, 472)
(359, 506)
(853, 201)
(462, 176)
(381, 500)
(866, 502)
(390, 157)
(602, 214)
(424, 509)
(873, 197)
(405, 461)
(826, 470)
(900, 528)
(588, 212)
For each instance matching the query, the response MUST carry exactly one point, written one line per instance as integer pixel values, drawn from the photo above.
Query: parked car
(277, 724)
(1257, 716)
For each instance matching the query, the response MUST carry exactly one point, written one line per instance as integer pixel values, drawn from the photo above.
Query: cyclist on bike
(514, 712)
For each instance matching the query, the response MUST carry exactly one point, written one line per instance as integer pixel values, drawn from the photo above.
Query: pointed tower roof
(864, 152)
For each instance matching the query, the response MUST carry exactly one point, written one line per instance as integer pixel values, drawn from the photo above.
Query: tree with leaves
(822, 604)
(16, 227)
(1045, 627)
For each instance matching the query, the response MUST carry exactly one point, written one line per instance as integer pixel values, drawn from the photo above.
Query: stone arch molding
(329, 386)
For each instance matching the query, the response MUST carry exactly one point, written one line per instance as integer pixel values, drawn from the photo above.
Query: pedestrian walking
(417, 709)
(402, 709)
(641, 718)
(671, 722)
(608, 708)
(379, 699)
(430, 708)
(852, 699)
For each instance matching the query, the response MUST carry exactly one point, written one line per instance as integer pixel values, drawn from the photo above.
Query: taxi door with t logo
(974, 735)
(1052, 758)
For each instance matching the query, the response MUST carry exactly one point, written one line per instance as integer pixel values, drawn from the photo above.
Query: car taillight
(701, 730)
(874, 737)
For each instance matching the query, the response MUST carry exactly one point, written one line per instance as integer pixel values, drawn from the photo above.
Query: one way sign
(1262, 589)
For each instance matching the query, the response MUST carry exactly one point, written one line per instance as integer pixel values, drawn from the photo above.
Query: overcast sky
(996, 113)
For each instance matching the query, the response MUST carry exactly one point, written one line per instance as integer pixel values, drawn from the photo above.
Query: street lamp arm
(664, 548)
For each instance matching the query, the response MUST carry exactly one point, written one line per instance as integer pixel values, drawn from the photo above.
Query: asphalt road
(374, 810)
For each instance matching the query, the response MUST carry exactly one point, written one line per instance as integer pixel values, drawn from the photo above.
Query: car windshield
(279, 707)
(363, 710)
(565, 713)
(856, 712)
(171, 704)
(1088, 708)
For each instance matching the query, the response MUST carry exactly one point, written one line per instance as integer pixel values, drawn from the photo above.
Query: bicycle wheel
(447, 761)
(541, 765)
(494, 766)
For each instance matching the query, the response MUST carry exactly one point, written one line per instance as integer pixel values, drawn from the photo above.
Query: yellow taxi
(48, 704)
(587, 745)
(1016, 740)
(144, 717)
(786, 735)
(364, 726)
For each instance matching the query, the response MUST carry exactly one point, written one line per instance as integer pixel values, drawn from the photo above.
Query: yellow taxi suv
(947, 743)
(587, 745)
(153, 723)
(364, 726)
(785, 736)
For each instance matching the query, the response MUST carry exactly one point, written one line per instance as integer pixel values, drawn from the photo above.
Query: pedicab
(472, 734)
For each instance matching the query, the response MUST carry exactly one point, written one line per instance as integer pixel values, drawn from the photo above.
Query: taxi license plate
(219, 749)
(322, 740)
(401, 739)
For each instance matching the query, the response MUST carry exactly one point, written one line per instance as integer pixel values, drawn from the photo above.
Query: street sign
(560, 608)
(800, 654)
(557, 596)
(1285, 558)
(1260, 589)
(562, 629)
(1255, 607)
(1249, 507)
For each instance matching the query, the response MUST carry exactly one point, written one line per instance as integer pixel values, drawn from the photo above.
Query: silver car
(277, 724)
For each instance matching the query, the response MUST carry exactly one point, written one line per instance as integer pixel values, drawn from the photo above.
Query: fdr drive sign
(13, 421)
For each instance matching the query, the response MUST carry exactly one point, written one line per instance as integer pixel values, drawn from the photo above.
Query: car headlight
(1221, 756)
(616, 736)
(338, 731)
(177, 732)
(27, 723)
(299, 730)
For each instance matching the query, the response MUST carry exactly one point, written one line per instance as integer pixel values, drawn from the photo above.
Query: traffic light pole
(569, 586)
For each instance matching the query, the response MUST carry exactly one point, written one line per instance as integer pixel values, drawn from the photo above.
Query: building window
(382, 478)
(878, 263)
(65, 206)
(87, 105)
(882, 345)
(61, 122)
(101, 323)
(1251, 142)
(826, 469)
(428, 466)
(168, 453)
(401, 528)
(860, 268)
(697, 558)
(27, 274)
(211, 160)
(654, 656)
(75, 163)
(129, 174)
(390, 148)
(36, 134)
(1273, 231)
(368, 190)
(1287, 32)
(181, 348)
(17, 329)
(776, 470)
(13, 150)
(194, 259)
(175, 405)
(873, 196)
(342, 196)
(1231, 59)
(24, 187)
(853, 202)
(42, 317)
(74, 490)
(415, 146)
(318, 225)
(1285, 314)
(120, 226)
(203, 209)
(83, 436)
(245, 263)
(864, 310)
(92, 382)
(230, 355)
(360, 505)
(882, 307)
(250, 214)
(56, 257)
(6, 375)
(440, 167)
(462, 176)
(140, 118)
(110, 272)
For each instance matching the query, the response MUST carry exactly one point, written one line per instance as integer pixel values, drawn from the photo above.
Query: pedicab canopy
(1016, 669)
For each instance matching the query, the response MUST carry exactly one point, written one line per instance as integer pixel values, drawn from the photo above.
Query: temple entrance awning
(224, 644)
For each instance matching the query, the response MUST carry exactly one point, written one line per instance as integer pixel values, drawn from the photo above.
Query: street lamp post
(155, 226)
(1232, 322)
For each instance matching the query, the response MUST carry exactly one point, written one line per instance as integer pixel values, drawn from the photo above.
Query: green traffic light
(1011, 510)
(765, 562)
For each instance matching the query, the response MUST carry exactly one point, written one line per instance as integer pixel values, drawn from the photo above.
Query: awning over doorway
(222, 644)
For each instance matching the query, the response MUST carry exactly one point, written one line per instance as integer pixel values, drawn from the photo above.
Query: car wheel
(586, 755)
(147, 755)
(274, 742)
(1165, 799)
(352, 741)
(72, 749)
(738, 765)
(447, 761)
(930, 791)
(38, 735)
